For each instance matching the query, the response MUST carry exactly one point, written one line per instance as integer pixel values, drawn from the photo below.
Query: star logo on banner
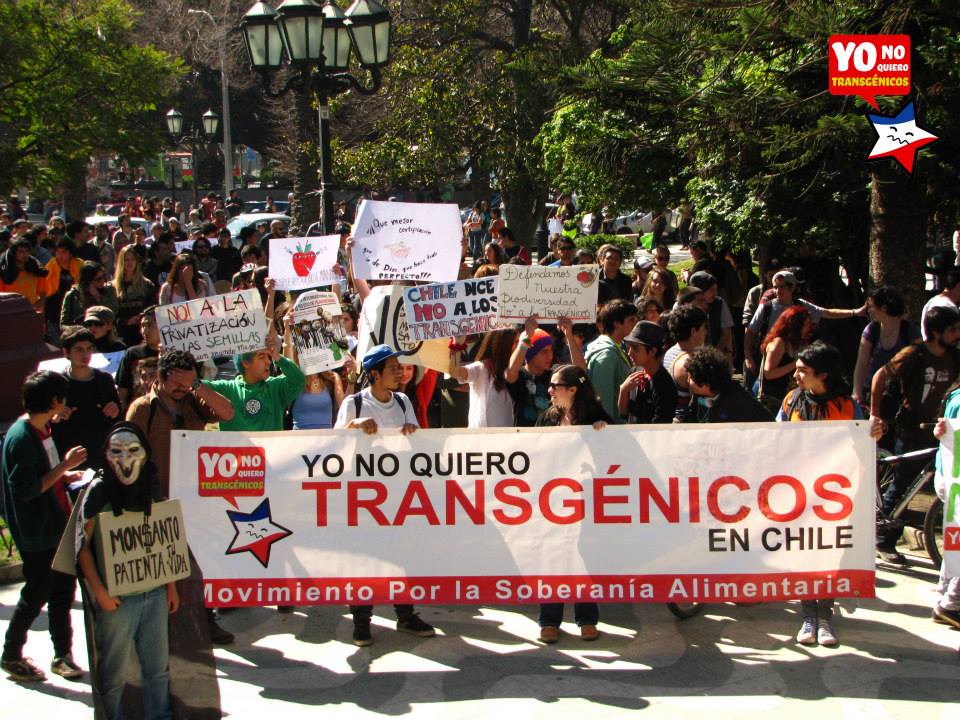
(256, 532)
(899, 137)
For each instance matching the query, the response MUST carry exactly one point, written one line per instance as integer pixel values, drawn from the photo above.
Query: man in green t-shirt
(258, 399)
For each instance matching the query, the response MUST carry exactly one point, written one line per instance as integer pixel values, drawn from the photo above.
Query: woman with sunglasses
(93, 288)
(573, 401)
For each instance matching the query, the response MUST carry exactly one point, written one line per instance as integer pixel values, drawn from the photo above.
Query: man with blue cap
(376, 407)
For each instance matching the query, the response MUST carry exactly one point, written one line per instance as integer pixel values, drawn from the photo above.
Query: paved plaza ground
(729, 662)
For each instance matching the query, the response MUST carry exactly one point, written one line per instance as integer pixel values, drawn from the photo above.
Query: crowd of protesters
(713, 345)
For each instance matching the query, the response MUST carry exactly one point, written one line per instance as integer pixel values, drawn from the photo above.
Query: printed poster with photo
(318, 333)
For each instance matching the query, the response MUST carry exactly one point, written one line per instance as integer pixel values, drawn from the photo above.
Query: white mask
(126, 456)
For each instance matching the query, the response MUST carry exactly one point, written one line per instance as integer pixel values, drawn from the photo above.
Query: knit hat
(538, 341)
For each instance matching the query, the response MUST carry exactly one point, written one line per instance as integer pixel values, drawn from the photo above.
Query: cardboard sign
(550, 293)
(318, 333)
(214, 326)
(137, 554)
(652, 513)
(108, 362)
(949, 469)
(383, 321)
(869, 65)
(407, 241)
(304, 262)
(446, 310)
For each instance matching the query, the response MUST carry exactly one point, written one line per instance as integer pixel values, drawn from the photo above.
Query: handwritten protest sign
(383, 321)
(447, 310)
(140, 553)
(214, 326)
(549, 292)
(407, 241)
(305, 262)
(318, 333)
(108, 362)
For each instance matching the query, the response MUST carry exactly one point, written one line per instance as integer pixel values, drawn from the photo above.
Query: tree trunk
(524, 202)
(75, 192)
(897, 245)
(305, 207)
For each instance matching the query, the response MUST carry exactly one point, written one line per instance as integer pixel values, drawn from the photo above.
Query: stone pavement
(729, 662)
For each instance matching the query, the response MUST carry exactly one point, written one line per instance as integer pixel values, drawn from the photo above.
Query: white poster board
(304, 262)
(214, 326)
(383, 321)
(138, 554)
(318, 333)
(108, 362)
(407, 241)
(446, 310)
(554, 227)
(950, 470)
(183, 246)
(550, 293)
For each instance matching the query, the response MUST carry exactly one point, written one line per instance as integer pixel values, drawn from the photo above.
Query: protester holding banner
(722, 400)
(573, 401)
(376, 407)
(688, 326)
(33, 479)
(946, 608)
(820, 395)
(490, 403)
(127, 482)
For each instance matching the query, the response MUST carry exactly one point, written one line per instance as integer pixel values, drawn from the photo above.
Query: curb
(11, 573)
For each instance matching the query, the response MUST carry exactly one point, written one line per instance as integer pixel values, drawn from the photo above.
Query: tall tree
(75, 83)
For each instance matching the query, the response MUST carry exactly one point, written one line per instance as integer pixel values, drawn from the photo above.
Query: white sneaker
(808, 632)
(825, 634)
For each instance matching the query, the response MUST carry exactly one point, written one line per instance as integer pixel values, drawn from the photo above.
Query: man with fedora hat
(648, 395)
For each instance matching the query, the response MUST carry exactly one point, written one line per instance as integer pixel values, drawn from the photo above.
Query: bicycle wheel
(885, 475)
(685, 611)
(933, 531)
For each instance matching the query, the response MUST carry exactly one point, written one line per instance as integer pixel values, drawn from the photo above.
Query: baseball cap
(98, 313)
(376, 355)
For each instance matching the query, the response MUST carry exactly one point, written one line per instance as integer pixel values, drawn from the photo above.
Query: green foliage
(75, 82)
(593, 242)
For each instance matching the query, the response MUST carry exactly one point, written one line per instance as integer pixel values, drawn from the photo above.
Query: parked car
(113, 224)
(243, 220)
(260, 206)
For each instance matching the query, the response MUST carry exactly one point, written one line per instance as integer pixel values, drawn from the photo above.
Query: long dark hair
(495, 351)
(826, 359)
(586, 405)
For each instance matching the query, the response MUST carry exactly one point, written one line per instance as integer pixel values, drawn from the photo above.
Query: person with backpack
(376, 407)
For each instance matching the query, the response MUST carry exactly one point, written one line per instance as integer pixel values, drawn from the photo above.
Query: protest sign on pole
(950, 467)
(140, 553)
(446, 310)
(656, 513)
(383, 321)
(555, 227)
(214, 326)
(318, 333)
(407, 241)
(305, 262)
(550, 293)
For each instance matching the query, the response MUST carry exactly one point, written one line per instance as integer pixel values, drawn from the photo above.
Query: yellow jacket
(52, 279)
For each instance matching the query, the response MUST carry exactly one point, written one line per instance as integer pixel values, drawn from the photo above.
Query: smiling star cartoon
(899, 137)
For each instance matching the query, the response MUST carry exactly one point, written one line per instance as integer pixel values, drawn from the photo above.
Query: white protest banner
(950, 463)
(555, 227)
(760, 512)
(108, 362)
(318, 333)
(550, 293)
(383, 321)
(183, 246)
(446, 310)
(138, 554)
(214, 326)
(305, 262)
(406, 241)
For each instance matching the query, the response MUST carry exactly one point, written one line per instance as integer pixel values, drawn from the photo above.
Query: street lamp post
(316, 40)
(200, 135)
(225, 95)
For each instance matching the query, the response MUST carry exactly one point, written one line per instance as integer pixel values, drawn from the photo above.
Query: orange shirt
(27, 284)
(52, 279)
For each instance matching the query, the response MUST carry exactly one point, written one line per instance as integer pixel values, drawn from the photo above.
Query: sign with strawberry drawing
(299, 263)
(550, 293)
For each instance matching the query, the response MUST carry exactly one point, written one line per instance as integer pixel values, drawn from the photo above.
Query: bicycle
(932, 530)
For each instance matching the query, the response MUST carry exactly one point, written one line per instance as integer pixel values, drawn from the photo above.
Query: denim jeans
(476, 244)
(142, 620)
(43, 586)
(819, 609)
(551, 614)
(363, 613)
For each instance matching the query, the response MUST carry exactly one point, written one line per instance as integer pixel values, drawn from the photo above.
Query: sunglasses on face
(94, 323)
(558, 385)
(567, 248)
